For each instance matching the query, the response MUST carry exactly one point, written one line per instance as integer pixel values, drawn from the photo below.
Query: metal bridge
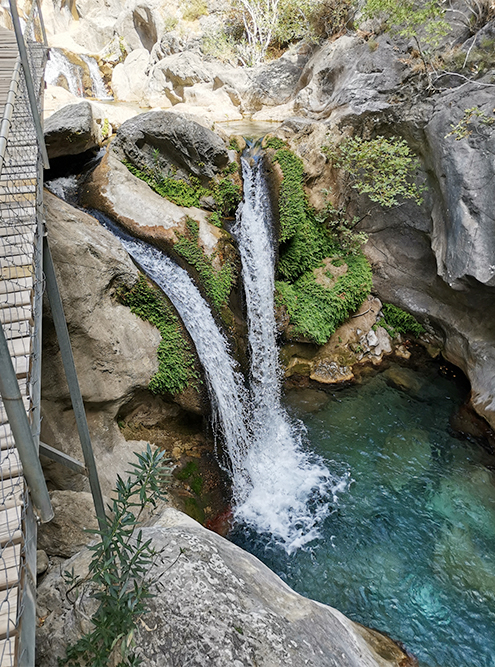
(26, 270)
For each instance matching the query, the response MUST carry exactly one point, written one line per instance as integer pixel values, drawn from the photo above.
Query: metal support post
(29, 82)
(42, 23)
(21, 429)
(71, 375)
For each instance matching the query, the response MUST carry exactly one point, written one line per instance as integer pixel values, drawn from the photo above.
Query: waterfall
(98, 85)
(289, 490)
(58, 65)
(225, 384)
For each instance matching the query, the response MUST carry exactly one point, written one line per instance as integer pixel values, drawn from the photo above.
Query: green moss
(217, 283)
(194, 510)
(227, 195)
(234, 145)
(275, 143)
(215, 220)
(225, 191)
(292, 199)
(175, 358)
(177, 191)
(316, 311)
(397, 321)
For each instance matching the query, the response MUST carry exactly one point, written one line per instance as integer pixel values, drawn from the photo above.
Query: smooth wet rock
(217, 606)
(115, 351)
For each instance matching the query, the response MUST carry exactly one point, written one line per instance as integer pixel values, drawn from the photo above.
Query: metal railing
(26, 267)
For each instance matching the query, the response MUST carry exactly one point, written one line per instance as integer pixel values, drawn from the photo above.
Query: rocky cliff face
(437, 260)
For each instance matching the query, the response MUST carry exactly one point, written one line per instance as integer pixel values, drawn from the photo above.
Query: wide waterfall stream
(360, 498)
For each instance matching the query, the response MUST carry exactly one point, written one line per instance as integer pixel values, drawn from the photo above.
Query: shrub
(175, 358)
(118, 573)
(193, 9)
(381, 168)
(397, 321)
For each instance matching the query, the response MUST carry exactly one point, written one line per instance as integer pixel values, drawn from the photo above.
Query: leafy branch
(118, 573)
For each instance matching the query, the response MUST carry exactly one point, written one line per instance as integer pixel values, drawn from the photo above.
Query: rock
(330, 372)
(403, 378)
(128, 200)
(276, 83)
(129, 78)
(42, 562)
(182, 144)
(346, 77)
(462, 238)
(65, 534)
(257, 618)
(71, 130)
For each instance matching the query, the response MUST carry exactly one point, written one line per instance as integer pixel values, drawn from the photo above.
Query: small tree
(260, 18)
(412, 18)
(381, 168)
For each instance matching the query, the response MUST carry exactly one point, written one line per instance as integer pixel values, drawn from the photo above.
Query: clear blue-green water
(409, 547)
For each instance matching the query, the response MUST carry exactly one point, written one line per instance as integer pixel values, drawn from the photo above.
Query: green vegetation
(473, 63)
(217, 283)
(397, 321)
(381, 168)
(118, 574)
(315, 311)
(470, 123)
(190, 474)
(175, 358)
(275, 143)
(251, 29)
(193, 9)
(177, 191)
(224, 191)
(408, 18)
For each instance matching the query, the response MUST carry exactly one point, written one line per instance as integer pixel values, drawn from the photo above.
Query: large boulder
(129, 201)
(171, 141)
(72, 130)
(216, 605)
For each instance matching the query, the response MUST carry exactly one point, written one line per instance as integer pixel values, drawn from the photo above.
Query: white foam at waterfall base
(291, 492)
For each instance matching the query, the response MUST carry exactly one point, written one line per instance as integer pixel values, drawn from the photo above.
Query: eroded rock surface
(217, 605)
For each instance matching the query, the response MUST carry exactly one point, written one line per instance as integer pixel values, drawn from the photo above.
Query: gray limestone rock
(71, 130)
(215, 605)
(171, 141)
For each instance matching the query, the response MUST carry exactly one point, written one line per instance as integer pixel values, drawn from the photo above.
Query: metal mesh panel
(20, 317)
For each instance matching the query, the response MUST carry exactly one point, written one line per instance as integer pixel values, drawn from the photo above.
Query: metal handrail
(33, 102)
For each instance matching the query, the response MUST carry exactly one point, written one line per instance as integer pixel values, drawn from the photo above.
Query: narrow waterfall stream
(289, 495)
(58, 65)
(98, 85)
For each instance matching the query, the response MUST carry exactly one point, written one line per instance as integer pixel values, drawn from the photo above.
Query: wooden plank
(16, 285)
(17, 329)
(14, 492)
(10, 272)
(10, 566)
(8, 613)
(10, 464)
(19, 347)
(3, 413)
(11, 526)
(8, 649)
(16, 260)
(16, 299)
(15, 314)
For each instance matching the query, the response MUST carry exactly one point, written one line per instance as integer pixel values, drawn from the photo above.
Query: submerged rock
(215, 604)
